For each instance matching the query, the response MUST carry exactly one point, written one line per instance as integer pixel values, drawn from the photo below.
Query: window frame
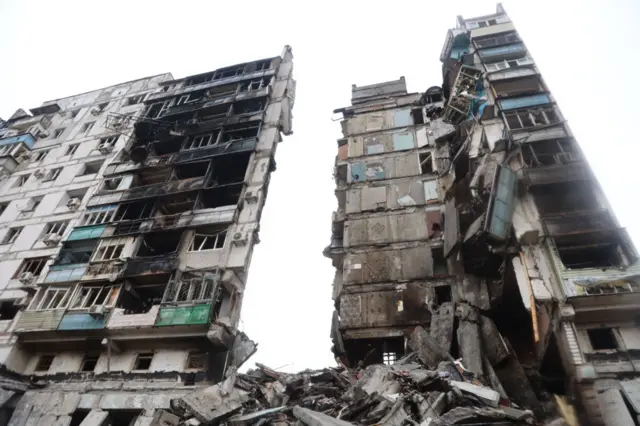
(219, 239)
(57, 227)
(143, 356)
(52, 174)
(105, 214)
(71, 149)
(86, 127)
(44, 359)
(82, 300)
(58, 132)
(21, 180)
(107, 249)
(41, 154)
(41, 302)
(11, 238)
(40, 262)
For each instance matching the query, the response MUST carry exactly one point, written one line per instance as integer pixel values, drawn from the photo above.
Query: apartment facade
(129, 219)
(471, 209)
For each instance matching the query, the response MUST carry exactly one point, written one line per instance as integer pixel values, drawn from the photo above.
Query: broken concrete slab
(214, 403)
(487, 395)
(397, 416)
(428, 350)
(378, 379)
(62, 421)
(442, 322)
(313, 418)
(5, 396)
(470, 347)
(164, 418)
(492, 343)
(252, 417)
(493, 379)
(243, 348)
(473, 290)
(95, 418)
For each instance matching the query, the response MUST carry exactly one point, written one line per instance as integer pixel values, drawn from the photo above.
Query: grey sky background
(587, 52)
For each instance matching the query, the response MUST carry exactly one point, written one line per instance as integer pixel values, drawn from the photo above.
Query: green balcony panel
(187, 315)
(86, 232)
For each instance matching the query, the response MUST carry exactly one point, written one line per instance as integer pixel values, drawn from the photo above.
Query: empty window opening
(249, 106)
(439, 262)
(211, 238)
(159, 243)
(108, 142)
(111, 184)
(240, 132)
(133, 100)
(56, 228)
(95, 295)
(40, 155)
(158, 109)
(11, 235)
(551, 153)
(57, 133)
(224, 302)
(3, 207)
(8, 310)
(33, 265)
(505, 38)
(516, 87)
(506, 64)
(122, 417)
(190, 171)
(228, 195)
(143, 294)
(143, 361)
(89, 363)
(109, 249)
(44, 363)
(92, 168)
(197, 360)
(21, 180)
(443, 294)
(78, 416)
(228, 72)
(98, 109)
(426, 163)
(86, 127)
(71, 149)
(253, 85)
(602, 339)
(53, 174)
(230, 168)
(193, 287)
(76, 252)
(600, 249)
(212, 113)
(177, 203)
(151, 176)
(566, 197)
(75, 113)
(133, 211)
(418, 116)
(534, 117)
(32, 205)
(201, 141)
(99, 215)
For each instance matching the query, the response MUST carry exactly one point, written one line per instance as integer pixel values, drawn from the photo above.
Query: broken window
(92, 168)
(95, 295)
(200, 141)
(443, 293)
(40, 155)
(602, 339)
(33, 265)
(133, 211)
(534, 117)
(51, 297)
(109, 249)
(56, 228)
(143, 361)
(193, 287)
(144, 292)
(76, 252)
(227, 195)
(240, 132)
(11, 235)
(426, 163)
(516, 87)
(177, 203)
(98, 215)
(190, 171)
(599, 249)
(44, 363)
(510, 63)
(52, 174)
(111, 184)
(565, 197)
(71, 149)
(75, 113)
(229, 169)
(21, 180)
(418, 116)
(208, 239)
(550, 152)
(89, 363)
(439, 262)
(196, 360)
(57, 133)
(108, 142)
(86, 127)
(133, 100)
(98, 109)
(375, 350)
(228, 72)
(8, 310)
(159, 243)
(249, 106)
(498, 40)
(253, 85)
(158, 109)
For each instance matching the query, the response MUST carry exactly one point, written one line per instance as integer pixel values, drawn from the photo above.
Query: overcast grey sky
(587, 52)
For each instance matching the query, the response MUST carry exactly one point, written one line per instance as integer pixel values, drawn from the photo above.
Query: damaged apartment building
(471, 210)
(129, 217)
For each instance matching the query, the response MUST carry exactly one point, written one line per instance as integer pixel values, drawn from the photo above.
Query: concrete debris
(426, 387)
(442, 323)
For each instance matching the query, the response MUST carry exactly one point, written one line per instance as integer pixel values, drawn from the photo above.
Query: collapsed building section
(470, 210)
(141, 303)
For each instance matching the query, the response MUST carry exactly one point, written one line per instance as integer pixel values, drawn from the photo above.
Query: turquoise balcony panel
(25, 138)
(82, 321)
(62, 273)
(86, 232)
(509, 49)
(527, 101)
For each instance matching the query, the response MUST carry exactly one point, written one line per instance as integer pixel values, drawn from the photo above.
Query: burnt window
(8, 310)
(602, 339)
(143, 361)
(34, 265)
(92, 168)
(89, 362)
(197, 360)
(44, 363)
(159, 243)
(210, 238)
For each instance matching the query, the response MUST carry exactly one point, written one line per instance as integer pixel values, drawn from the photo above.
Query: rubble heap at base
(406, 392)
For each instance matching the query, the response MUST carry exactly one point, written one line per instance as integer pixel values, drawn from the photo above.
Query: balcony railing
(151, 265)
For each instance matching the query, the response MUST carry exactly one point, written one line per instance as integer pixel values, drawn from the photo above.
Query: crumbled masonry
(427, 388)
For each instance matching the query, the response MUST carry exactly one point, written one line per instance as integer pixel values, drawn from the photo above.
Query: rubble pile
(427, 388)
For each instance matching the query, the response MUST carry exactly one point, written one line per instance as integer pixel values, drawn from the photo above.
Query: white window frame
(52, 174)
(530, 111)
(109, 249)
(22, 180)
(108, 141)
(58, 300)
(57, 228)
(40, 155)
(86, 127)
(71, 149)
(11, 238)
(199, 240)
(194, 289)
(87, 296)
(99, 215)
(114, 182)
(200, 141)
(504, 65)
(40, 261)
(58, 132)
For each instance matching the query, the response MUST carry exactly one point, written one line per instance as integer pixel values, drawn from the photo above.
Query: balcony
(121, 321)
(509, 51)
(557, 173)
(149, 191)
(86, 232)
(63, 273)
(39, 320)
(151, 265)
(578, 222)
(184, 315)
(82, 321)
(27, 138)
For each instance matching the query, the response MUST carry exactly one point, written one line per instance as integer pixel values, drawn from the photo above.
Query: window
(192, 287)
(196, 360)
(4, 150)
(98, 215)
(21, 180)
(89, 296)
(76, 252)
(426, 163)
(86, 127)
(44, 363)
(389, 358)
(523, 119)
(92, 168)
(200, 141)
(109, 249)
(53, 174)
(3, 207)
(51, 298)
(74, 113)
(143, 361)
(134, 100)
(208, 241)
(111, 184)
(109, 141)
(602, 339)
(99, 108)
(89, 362)
(57, 133)
(497, 40)
(32, 204)
(40, 155)
(57, 228)
(11, 235)
(71, 149)
(183, 100)
(439, 265)
(35, 265)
